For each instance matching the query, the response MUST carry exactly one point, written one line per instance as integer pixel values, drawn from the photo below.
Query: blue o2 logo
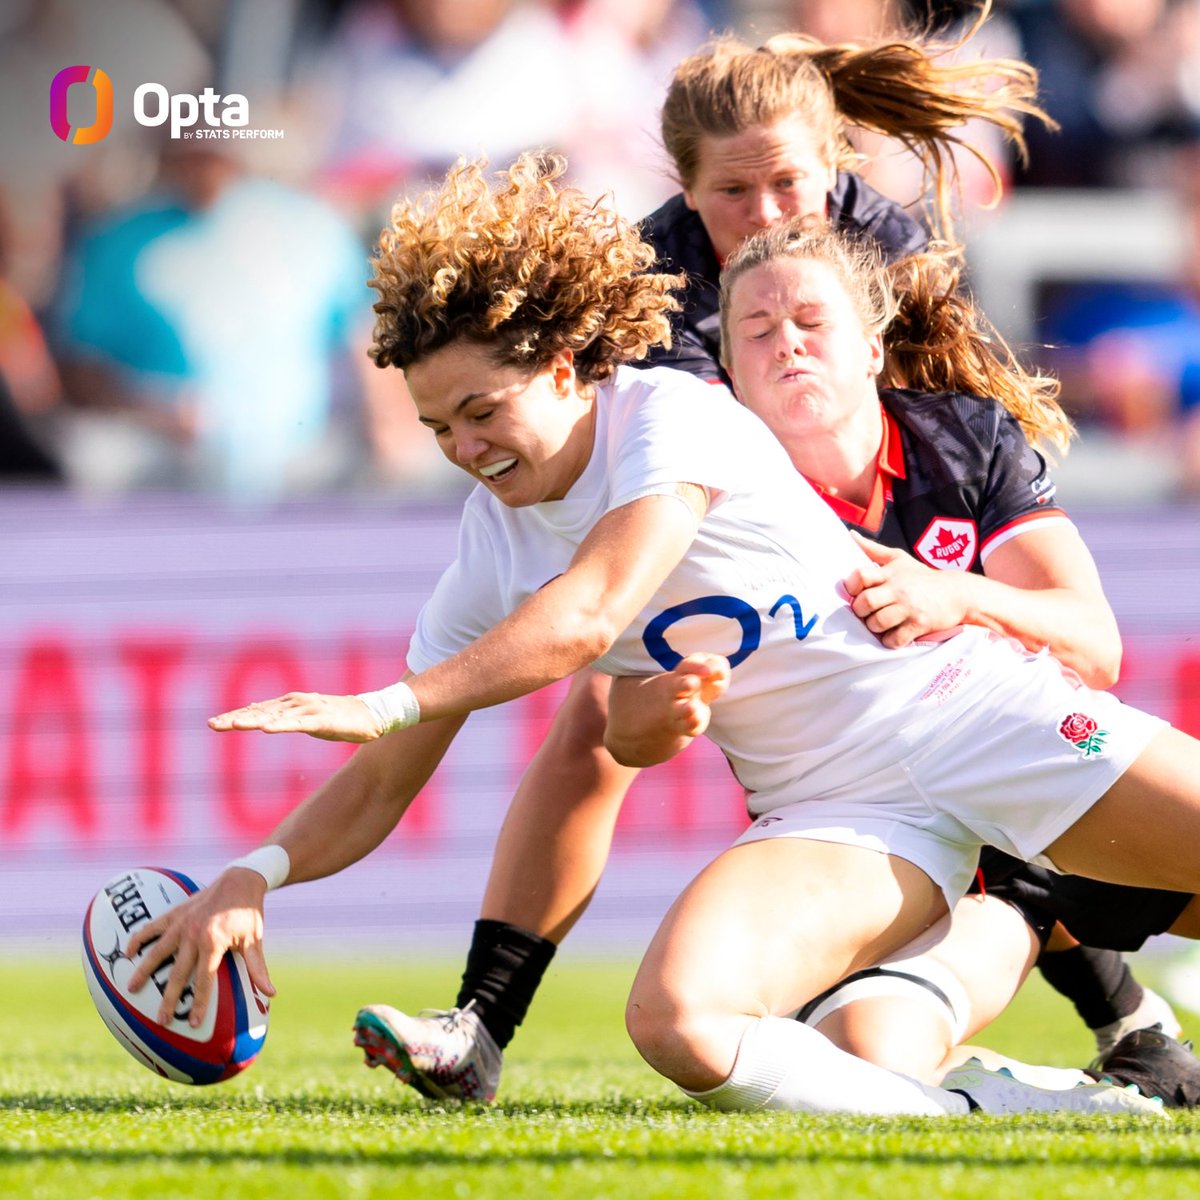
(654, 637)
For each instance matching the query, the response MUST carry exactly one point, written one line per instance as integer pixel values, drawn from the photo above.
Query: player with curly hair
(637, 521)
(530, 270)
(758, 135)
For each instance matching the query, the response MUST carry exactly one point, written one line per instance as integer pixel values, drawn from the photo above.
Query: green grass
(579, 1115)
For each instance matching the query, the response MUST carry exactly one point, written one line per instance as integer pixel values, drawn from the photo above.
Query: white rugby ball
(235, 1026)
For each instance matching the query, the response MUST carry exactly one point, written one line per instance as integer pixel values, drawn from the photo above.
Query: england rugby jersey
(956, 478)
(816, 703)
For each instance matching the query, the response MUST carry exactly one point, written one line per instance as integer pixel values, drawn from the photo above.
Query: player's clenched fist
(653, 719)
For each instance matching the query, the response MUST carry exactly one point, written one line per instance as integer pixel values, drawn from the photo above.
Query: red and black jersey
(956, 477)
(682, 244)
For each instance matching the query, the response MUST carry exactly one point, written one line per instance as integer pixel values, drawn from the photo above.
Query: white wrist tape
(271, 862)
(394, 707)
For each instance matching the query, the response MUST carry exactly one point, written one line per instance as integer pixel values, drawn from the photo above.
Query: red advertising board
(126, 624)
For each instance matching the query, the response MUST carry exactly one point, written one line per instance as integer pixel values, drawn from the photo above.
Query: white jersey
(816, 703)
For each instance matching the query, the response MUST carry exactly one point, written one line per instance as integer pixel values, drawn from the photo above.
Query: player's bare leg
(549, 857)
(558, 830)
(762, 928)
(1145, 830)
(910, 1013)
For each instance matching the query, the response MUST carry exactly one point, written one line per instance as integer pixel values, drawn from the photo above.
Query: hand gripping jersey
(816, 703)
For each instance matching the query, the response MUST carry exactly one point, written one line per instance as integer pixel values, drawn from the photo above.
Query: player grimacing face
(799, 354)
(525, 437)
(754, 179)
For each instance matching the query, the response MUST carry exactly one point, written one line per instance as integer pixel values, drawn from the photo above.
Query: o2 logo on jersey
(60, 120)
(949, 543)
(654, 637)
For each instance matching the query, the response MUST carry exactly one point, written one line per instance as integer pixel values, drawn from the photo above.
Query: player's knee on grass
(694, 1049)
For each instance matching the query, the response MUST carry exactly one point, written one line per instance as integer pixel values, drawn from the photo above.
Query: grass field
(579, 1114)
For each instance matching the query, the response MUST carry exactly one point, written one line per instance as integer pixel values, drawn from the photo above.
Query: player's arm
(339, 824)
(1041, 588)
(565, 626)
(654, 718)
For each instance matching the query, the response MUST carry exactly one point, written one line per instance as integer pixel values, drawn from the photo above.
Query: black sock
(1098, 982)
(505, 965)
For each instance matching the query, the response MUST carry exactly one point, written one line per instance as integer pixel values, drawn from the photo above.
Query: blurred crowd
(192, 313)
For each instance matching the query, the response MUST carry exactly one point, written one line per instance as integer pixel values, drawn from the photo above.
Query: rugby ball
(235, 1026)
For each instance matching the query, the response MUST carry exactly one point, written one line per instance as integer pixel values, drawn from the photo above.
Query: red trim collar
(889, 465)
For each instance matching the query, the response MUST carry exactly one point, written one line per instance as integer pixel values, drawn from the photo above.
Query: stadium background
(133, 605)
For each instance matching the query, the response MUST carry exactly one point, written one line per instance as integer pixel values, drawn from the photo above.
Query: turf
(579, 1114)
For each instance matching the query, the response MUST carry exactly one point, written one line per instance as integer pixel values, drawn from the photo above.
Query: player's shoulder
(667, 405)
(857, 208)
(945, 419)
(668, 222)
(662, 384)
(682, 243)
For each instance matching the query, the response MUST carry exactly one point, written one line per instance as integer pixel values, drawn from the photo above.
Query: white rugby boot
(999, 1092)
(445, 1054)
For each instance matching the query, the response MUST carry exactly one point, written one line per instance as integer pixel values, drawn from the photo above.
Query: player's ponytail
(914, 91)
(904, 88)
(940, 341)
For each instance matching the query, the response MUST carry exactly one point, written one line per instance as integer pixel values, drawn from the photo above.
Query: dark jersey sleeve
(682, 245)
(687, 352)
(1019, 487)
(857, 208)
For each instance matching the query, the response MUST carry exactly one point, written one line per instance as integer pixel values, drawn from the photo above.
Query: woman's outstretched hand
(332, 718)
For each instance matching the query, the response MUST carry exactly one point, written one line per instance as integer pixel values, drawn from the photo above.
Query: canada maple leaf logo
(948, 543)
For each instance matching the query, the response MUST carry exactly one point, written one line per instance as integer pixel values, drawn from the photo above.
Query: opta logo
(222, 116)
(153, 104)
(60, 120)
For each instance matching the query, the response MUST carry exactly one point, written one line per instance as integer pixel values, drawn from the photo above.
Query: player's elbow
(1102, 667)
(1102, 674)
(585, 637)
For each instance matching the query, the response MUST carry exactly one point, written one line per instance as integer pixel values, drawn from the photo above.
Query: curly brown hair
(935, 338)
(523, 266)
(896, 87)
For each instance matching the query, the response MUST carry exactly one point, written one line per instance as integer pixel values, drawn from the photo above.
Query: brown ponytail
(939, 341)
(902, 88)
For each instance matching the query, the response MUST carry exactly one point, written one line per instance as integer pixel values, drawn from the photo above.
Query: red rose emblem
(1077, 727)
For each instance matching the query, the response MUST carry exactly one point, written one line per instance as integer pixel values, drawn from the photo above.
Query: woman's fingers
(332, 718)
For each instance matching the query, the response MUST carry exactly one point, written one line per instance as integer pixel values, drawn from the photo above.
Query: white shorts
(1015, 769)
